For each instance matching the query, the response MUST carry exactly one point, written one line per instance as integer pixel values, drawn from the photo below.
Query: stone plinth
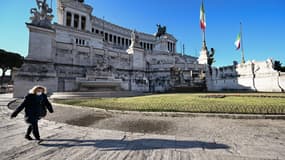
(162, 44)
(138, 58)
(38, 68)
(41, 42)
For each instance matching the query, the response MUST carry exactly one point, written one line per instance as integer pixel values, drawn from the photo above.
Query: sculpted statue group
(42, 15)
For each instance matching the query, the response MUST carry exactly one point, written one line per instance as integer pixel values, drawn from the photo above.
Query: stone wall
(35, 73)
(251, 76)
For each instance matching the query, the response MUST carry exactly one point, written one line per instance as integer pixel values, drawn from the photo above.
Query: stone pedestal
(138, 58)
(40, 43)
(162, 44)
(38, 68)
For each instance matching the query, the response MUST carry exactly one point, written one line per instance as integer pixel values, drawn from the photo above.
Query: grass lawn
(255, 103)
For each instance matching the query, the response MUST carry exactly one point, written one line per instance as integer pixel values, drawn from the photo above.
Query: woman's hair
(33, 90)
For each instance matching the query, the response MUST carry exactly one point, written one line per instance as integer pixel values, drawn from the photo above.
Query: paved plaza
(178, 138)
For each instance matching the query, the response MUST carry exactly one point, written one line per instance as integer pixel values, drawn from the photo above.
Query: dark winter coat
(35, 107)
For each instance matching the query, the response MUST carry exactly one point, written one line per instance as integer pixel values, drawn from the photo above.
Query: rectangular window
(68, 19)
(110, 38)
(119, 40)
(76, 21)
(83, 23)
(106, 36)
(151, 47)
(168, 44)
(97, 31)
(147, 46)
(115, 39)
(123, 41)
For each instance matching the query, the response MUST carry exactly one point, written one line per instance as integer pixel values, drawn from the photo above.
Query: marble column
(72, 20)
(79, 23)
(64, 17)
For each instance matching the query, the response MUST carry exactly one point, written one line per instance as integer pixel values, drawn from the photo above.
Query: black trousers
(33, 127)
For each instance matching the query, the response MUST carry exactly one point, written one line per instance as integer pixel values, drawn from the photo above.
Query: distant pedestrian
(36, 104)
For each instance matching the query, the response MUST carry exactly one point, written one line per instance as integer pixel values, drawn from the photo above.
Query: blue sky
(263, 24)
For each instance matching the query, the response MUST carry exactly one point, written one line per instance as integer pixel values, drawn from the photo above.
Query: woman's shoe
(28, 137)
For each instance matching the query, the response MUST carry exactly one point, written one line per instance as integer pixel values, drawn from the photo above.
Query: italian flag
(202, 17)
(237, 42)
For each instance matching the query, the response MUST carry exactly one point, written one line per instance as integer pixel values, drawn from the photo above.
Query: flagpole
(204, 38)
(204, 30)
(242, 49)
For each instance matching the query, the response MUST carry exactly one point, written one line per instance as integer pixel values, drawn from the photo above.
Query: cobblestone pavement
(202, 138)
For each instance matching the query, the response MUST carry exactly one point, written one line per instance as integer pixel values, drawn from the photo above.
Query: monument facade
(82, 52)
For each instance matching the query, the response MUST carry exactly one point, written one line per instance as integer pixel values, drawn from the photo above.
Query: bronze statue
(160, 31)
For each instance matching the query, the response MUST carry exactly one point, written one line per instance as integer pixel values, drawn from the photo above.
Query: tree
(9, 60)
(278, 66)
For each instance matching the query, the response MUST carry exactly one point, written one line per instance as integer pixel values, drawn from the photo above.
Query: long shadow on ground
(138, 144)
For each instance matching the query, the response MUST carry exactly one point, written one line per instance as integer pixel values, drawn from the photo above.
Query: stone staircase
(98, 81)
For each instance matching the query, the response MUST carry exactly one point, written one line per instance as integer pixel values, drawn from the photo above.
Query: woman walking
(35, 105)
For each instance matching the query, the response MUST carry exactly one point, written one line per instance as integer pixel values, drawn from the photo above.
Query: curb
(183, 114)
